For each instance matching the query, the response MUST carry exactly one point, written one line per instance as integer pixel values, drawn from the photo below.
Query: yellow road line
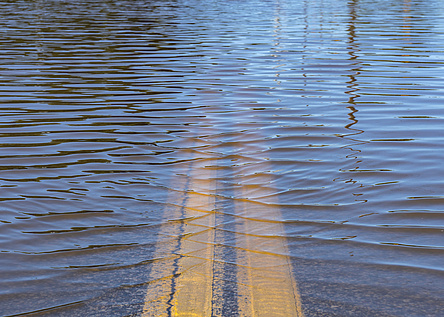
(194, 288)
(183, 277)
(183, 286)
(271, 288)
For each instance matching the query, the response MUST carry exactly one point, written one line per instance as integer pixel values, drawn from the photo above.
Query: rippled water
(322, 119)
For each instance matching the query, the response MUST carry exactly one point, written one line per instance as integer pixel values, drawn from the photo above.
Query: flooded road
(209, 158)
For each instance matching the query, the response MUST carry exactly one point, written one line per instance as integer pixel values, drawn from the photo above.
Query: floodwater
(224, 158)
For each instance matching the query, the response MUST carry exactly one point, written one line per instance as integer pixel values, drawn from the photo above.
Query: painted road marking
(272, 289)
(182, 279)
(183, 284)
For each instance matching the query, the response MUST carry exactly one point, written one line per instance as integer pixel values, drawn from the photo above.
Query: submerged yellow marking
(194, 287)
(187, 288)
(270, 287)
(182, 279)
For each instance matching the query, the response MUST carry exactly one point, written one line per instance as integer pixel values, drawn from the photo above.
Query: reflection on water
(134, 131)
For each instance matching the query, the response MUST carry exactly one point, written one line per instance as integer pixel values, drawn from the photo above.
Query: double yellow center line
(183, 279)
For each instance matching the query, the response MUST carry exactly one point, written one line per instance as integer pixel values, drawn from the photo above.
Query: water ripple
(323, 119)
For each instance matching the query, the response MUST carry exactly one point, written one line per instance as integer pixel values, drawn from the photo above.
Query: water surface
(322, 119)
